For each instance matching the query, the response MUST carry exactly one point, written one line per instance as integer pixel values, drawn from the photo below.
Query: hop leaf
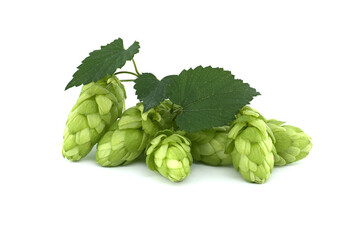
(150, 90)
(103, 62)
(209, 97)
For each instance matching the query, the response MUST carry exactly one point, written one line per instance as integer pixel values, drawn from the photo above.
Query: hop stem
(136, 70)
(127, 80)
(126, 72)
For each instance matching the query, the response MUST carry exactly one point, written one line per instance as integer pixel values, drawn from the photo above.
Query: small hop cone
(251, 146)
(208, 146)
(128, 137)
(292, 144)
(169, 154)
(97, 108)
(168, 112)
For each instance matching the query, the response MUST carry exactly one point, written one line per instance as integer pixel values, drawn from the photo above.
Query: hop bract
(97, 107)
(169, 154)
(208, 146)
(251, 146)
(128, 137)
(292, 144)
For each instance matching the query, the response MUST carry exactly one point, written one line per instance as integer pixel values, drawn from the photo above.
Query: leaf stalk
(126, 72)
(136, 70)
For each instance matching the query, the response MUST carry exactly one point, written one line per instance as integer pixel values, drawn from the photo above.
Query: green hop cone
(292, 144)
(208, 146)
(128, 137)
(98, 106)
(168, 111)
(251, 146)
(169, 154)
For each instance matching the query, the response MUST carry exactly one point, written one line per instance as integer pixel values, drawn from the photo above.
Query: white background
(303, 56)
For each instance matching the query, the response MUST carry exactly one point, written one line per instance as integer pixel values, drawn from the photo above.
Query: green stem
(136, 70)
(177, 112)
(122, 72)
(127, 80)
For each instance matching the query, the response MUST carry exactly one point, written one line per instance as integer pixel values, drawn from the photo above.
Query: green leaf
(150, 90)
(103, 62)
(209, 97)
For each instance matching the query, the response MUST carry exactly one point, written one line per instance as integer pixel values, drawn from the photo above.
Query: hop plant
(208, 146)
(251, 146)
(169, 154)
(97, 107)
(128, 137)
(193, 107)
(292, 144)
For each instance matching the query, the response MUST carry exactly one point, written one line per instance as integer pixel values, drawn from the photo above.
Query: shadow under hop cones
(98, 106)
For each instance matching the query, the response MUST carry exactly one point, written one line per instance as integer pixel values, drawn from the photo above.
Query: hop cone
(209, 146)
(251, 146)
(168, 111)
(292, 144)
(169, 154)
(97, 107)
(128, 137)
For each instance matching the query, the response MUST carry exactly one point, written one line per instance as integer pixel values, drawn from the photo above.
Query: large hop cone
(169, 154)
(98, 106)
(251, 146)
(292, 144)
(128, 137)
(208, 146)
